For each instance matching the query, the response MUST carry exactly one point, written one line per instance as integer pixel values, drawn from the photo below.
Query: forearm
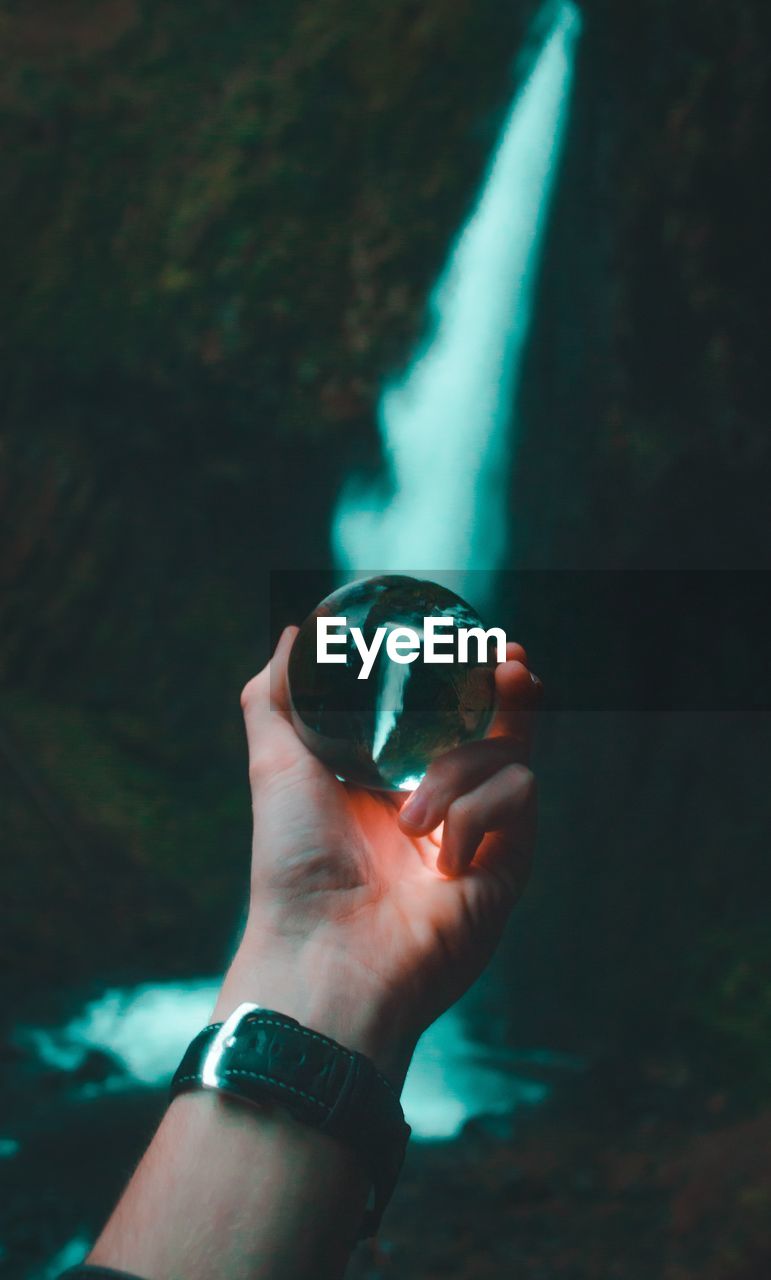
(226, 1189)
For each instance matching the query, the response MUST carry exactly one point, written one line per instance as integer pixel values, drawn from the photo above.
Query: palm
(339, 867)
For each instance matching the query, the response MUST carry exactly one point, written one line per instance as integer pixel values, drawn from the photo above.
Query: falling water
(445, 424)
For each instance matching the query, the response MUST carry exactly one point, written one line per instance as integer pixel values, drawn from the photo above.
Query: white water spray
(147, 1029)
(444, 426)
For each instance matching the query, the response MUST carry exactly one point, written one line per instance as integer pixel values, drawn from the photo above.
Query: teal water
(446, 427)
(148, 1027)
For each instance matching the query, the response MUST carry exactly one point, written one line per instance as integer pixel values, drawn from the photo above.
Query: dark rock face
(645, 423)
(645, 444)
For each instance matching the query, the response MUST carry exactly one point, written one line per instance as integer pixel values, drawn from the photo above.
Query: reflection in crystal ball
(383, 732)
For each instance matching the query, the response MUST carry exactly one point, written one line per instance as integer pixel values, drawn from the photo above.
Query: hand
(368, 917)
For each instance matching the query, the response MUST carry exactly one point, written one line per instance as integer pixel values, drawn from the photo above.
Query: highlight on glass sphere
(383, 729)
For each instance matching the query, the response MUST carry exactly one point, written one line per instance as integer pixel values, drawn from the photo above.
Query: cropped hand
(368, 917)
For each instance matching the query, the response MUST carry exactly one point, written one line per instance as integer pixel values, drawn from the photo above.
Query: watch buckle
(210, 1078)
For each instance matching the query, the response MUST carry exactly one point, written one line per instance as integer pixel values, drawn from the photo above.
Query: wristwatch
(261, 1056)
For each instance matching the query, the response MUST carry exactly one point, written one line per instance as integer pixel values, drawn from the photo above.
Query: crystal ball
(382, 730)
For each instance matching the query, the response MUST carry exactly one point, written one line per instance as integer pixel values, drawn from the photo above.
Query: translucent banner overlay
(604, 640)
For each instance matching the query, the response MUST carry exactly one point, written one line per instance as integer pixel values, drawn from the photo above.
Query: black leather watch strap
(262, 1056)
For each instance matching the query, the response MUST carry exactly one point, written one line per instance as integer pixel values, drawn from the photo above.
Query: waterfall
(448, 444)
(445, 425)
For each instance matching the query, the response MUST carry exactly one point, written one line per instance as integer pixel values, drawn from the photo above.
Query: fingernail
(415, 809)
(538, 683)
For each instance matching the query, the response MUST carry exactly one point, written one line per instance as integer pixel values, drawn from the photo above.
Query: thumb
(267, 694)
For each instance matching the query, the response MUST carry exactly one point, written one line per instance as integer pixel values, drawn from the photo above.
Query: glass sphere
(384, 730)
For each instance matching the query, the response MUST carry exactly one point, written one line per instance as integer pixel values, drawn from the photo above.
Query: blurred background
(222, 232)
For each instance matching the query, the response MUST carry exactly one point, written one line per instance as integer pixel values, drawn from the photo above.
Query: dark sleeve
(85, 1272)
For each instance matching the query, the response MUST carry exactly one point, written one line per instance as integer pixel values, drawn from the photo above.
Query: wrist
(319, 992)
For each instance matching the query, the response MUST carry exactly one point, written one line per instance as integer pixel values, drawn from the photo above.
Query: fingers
(518, 694)
(515, 653)
(481, 796)
(452, 774)
(495, 825)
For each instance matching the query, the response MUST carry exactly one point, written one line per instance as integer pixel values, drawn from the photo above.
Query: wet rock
(96, 1067)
